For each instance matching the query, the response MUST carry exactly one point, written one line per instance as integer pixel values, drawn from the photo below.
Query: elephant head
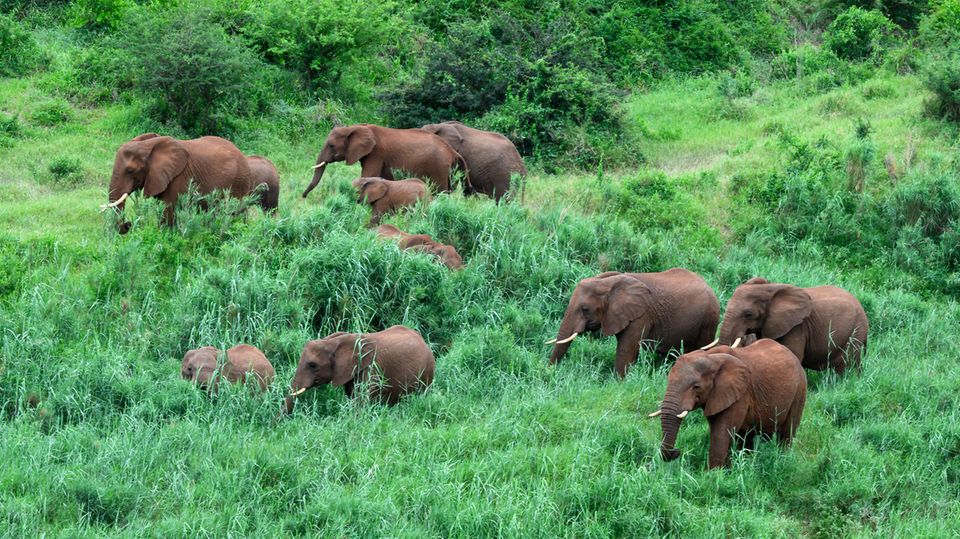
(348, 144)
(712, 381)
(449, 132)
(607, 303)
(370, 189)
(331, 360)
(200, 365)
(148, 162)
(769, 310)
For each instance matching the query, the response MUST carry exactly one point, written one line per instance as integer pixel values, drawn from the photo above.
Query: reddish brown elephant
(386, 196)
(266, 182)
(393, 362)
(491, 157)
(243, 363)
(164, 167)
(674, 308)
(447, 254)
(380, 150)
(744, 392)
(823, 326)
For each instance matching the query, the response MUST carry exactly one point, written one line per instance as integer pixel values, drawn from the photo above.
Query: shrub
(99, 14)
(65, 169)
(858, 34)
(199, 76)
(10, 129)
(808, 61)
(52, 113)
(941, 75)
(19, 53)
(942, 26)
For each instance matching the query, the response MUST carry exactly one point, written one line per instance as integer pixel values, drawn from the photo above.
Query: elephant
(491, 157)
(447, 254)
(163, 167)
(394, 362)
(756, 390)
(823, 326)
(381, 149)
(676, 308)
(263, 171)
(243, 362)
(386, 196)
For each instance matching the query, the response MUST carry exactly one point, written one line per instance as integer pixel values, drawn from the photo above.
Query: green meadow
(731, 172)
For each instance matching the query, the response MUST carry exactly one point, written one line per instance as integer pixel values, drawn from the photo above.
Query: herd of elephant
(749, 381)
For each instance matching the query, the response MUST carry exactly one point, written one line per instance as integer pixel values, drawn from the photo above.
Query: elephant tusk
(683, 414)
(104, 207)
(711, 345)
(299, 391)
(568, 339)
(655, 414)
(320, 164)
(551, 341)
(736, 342)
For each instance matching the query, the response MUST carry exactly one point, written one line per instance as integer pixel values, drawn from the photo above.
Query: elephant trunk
(288, 405)
(729, 333)
(117, 197)
(670, 425)
(569, 329)
(317, 174)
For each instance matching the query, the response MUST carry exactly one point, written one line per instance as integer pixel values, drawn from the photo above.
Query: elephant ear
(757, 280)
(374, 190)
(346, 359)
(788, 308)
(729, 384)
(144, 136)
(628, 299)
(167, 160)
(451, 135)
(360, 143)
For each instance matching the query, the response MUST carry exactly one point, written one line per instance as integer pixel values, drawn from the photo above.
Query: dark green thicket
(858, 34)
(19, 53)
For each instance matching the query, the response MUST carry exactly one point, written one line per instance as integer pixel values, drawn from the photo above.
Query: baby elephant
(243, 362)
(395, 362)
(423, 243)
(388, 196)
(760, 389)
(263, 171)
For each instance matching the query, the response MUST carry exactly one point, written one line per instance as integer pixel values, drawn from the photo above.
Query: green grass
(100, 437)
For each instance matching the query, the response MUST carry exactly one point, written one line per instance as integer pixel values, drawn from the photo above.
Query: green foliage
(905, 13)
(99, 15)
(52, 113)
(19, 53)
(199, 76)
(10, 129)
(941, 75)
(941, 27)
(859, 34)
(65, 168)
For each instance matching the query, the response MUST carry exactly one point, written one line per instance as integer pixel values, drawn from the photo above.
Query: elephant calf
(757, 390)
(388, 196)
(673, 308)
(243, 362)
(394, 362)
(264, 172)
(447, 254)
(823, 326)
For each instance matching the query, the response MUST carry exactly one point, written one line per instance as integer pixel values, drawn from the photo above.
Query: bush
(52, 113)
(858, 34)
(65, 169)
(941, 75)
(99, 14)
(19, 53)
(820, 65)
(10, 129)
(198, 75)
(942, 26)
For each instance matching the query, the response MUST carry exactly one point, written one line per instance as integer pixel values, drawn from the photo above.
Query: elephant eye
(312, 364)
(748, 315)
(696, 387)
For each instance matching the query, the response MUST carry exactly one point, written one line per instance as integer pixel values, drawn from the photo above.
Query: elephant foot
(124, 227)
(669, 454)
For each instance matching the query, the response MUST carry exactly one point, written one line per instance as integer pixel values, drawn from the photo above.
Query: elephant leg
(720, 439)
(386, 173)
(169, 213)
(838, 362)
(628, 348)
(348, 389)
(372, 167)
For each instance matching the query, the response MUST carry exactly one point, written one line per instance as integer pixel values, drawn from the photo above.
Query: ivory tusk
(711, 345)
(736, 342)
(551, 341)
(655, 414)
(320, 164)
(683, 414)
(114, 204)
(299, 391)
(568, 339)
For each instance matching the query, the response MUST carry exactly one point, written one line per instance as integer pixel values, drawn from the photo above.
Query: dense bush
(198, 75)
(941, 75)
(905, 13)
(18, 52)
(858, 34)
(942, 26)
(99, 14)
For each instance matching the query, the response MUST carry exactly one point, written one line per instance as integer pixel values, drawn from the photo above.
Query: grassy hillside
(731, 175)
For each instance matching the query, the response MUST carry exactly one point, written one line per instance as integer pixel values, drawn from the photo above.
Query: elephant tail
(461, 164)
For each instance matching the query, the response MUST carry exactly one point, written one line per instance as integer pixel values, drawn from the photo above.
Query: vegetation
(730, 138)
